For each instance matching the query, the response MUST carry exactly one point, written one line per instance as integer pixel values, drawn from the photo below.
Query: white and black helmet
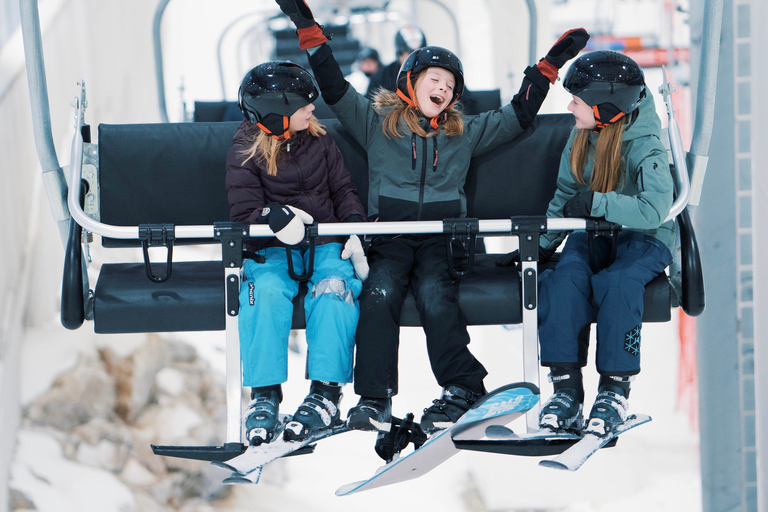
(408, 39)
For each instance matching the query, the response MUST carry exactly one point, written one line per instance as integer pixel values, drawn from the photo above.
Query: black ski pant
(418, 262)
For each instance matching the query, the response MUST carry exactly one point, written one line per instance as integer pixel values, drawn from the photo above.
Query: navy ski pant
(421, 263)
(565, 307)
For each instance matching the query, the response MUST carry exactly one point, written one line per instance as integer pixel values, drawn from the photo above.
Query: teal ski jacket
(643, 197)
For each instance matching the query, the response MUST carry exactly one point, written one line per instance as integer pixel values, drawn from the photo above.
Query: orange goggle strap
(600, 123)
(285, 135)
(433, 122)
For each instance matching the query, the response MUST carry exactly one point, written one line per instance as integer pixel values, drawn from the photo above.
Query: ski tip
(553, 464)
(236, 478)
(346, 489)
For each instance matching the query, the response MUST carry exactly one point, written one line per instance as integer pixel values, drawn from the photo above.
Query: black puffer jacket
(311, 176)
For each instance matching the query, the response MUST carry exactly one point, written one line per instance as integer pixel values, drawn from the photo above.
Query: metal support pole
(54, 179)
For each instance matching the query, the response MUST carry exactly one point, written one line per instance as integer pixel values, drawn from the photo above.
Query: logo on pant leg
(251, 298)
(632, 341)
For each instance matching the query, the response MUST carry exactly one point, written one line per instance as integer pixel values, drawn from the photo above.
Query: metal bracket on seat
(157, 234)
(463, 231)
(528, 231)
(231, 235)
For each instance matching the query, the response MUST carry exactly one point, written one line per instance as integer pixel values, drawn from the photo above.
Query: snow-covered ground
(654, 467)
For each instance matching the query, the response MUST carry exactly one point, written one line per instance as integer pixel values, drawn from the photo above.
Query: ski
(499, 406)
(573, 458)
(246, 468)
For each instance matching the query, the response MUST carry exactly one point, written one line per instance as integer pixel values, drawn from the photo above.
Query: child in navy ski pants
(565, 307)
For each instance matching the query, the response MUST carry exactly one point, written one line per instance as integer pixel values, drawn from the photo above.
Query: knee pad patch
(333, 286)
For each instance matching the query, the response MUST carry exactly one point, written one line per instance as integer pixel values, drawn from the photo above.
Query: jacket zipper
(423, 176)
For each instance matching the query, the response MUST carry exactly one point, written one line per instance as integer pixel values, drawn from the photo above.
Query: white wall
(83, 39)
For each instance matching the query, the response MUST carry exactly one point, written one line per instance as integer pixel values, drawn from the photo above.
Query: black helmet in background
(426, 57)
(606, 77)
(408, 39)
(272, 92)
(366, 52)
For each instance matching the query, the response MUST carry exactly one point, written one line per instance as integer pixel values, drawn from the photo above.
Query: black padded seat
(192, 299)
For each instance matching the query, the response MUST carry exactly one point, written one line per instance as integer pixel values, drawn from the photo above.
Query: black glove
(579, 206)
(511, 258)
(354, 218)
(567, 47)
(309, 32)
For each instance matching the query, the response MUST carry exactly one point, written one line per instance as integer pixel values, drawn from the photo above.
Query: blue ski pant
(567, 294)
(266, 312)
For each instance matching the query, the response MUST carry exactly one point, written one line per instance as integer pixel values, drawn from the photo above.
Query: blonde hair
(394, 109)
(269, 149)
(607, 168)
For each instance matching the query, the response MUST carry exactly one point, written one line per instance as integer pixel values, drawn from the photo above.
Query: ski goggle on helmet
(272, 92)
(427, 57)
(610, 82)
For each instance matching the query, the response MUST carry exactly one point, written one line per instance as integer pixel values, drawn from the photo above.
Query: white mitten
(287, 222)
(353, 251)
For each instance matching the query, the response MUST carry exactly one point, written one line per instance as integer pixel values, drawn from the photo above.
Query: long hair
(395, 109)
(607, 168)
(269, 149)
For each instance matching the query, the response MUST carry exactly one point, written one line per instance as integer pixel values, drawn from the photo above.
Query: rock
(17, 500)
(134, 376)
(76, 397)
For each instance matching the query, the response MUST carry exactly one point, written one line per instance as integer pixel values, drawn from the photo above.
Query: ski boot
(318, 411)
(446, 410)
(611, 407)
(261, 419)
(371, 414)
(563, 410)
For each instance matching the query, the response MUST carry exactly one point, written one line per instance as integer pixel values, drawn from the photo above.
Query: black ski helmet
(366, 52)
(427, 57)
(272, 92)
(408, 39)
(606, 77)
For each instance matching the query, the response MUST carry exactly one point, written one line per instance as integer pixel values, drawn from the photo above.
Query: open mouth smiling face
(434, 91)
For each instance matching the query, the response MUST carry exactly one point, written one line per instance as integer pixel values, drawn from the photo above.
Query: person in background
(419, 149)
(284, 170)
(367, 64)
(407, 39)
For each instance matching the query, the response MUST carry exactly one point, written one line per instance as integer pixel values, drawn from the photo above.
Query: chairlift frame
(69, 214)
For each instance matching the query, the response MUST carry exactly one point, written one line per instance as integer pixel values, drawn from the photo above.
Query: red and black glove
(567, 47)
(309, 31)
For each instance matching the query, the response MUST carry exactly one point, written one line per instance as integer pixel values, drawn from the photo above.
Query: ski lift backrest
(163, 173)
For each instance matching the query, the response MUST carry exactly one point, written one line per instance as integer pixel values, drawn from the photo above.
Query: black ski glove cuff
(328, 74)
(531, 95)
